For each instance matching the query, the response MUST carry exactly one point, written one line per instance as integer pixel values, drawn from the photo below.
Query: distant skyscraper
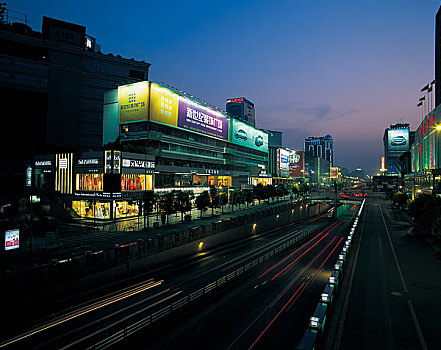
(242, 109)
(320, 147)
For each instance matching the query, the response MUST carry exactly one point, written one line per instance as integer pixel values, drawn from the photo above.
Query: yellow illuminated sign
(164, 105)
(133, 102)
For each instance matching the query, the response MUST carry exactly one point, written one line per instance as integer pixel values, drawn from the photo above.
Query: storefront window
(89, 182)
(136, 182)
(219, 181)
(265, 181)
(125, 209)
(91, 209)
(200, 180)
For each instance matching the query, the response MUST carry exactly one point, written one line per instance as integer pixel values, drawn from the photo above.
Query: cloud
(303, 112)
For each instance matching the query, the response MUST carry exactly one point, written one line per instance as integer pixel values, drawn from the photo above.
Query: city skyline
(299, 74)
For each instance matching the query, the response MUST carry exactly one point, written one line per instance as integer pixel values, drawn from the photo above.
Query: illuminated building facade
(101, 185)
(194, 144)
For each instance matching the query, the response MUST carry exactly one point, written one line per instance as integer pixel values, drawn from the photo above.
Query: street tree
(214, 199)
(223, 200)
(183, 202)
(203, 201)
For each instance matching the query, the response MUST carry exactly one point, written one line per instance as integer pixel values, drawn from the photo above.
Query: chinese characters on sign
(131, 163)
(12, 239)
(205, 121)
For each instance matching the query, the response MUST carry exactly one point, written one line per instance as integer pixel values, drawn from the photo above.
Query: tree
(167, 204)
(149, 202)
(214, 199)
(280, 191)
(259, 192)
(237, 197)
(203, 201)
(183, 202)
(425, 209)
(400, 199)
(249, 197)
(270, 192)
(223, 200)
(295, 191)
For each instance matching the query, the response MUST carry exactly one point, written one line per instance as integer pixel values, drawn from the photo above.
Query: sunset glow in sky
(346, 68)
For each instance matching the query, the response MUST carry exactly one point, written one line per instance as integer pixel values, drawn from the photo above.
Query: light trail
(310, 241)
(294, 297)
(274, 319)
(120, 321)
(317, 271)
(298, 276)
(81, 311)
(290, 264)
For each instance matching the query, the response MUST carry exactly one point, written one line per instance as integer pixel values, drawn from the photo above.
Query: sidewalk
(76, 239)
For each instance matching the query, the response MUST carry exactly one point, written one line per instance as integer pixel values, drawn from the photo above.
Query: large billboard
(245, 135)
(132, 102)
(283, 162)
(296, 164)
(164, 105)
(169, 108)
(398, 139)
(334, 172)
(197, 118)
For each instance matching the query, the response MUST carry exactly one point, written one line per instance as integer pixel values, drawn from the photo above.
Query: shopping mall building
(193, 144)
(425, 157)
(154, 139)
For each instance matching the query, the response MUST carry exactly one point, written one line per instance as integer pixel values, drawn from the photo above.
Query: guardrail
(176, 305)
(317, 326)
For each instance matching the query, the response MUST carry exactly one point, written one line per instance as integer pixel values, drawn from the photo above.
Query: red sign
(297, 164)
(234, 100)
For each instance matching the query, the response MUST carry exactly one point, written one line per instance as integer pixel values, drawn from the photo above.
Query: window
(136, 182)
(89, 182)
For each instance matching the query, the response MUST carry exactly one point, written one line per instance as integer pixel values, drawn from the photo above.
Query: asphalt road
(268, 309)
(394, 300)
(90, 313)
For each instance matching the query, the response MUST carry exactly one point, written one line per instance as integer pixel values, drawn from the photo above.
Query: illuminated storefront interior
(92, 209)
(102, 209)
(136, 182)
(219, 181)
(89, 182)
(265, 181)
(126, 209)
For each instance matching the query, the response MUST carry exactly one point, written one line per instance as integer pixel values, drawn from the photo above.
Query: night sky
(346, 68)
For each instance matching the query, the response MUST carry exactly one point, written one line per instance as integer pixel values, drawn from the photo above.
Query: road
(77, 325)
(269, 308)
(394, 300)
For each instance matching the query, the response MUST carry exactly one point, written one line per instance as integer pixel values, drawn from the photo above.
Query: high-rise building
(320, 147)
(52, 85)
(242, 109)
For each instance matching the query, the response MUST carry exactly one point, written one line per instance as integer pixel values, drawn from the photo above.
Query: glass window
(89, 182)
(136, 182)
(125, 209)
(90, 209)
